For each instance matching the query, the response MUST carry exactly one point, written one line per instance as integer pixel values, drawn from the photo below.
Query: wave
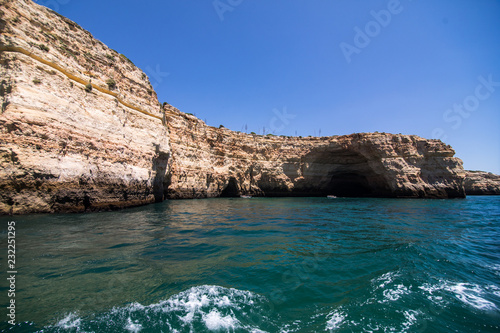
(198, 309)
(392, 302)
(471, 294)
(396, 303)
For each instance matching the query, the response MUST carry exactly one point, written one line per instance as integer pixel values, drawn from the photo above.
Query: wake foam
(198, 309)
(70, 321)
(410, 306)
(336, 319)
(472, 295)
(391, 303)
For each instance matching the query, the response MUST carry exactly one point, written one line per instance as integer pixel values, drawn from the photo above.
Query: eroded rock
(482, 183)
(210, 162)
(81, 129)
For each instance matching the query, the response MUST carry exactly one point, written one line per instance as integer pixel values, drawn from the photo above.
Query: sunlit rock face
(64, 147)
(212, 162)
(81, 129)
(482, 183)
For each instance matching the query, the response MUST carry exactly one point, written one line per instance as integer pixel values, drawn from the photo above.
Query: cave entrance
(349, 184)
(231, 190)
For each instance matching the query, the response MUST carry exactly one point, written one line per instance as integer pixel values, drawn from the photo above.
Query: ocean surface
(260, 265)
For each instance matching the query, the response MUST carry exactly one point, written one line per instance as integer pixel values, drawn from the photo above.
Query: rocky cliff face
(81, 129)
(64, 147)
(211, 162)
(482, 183)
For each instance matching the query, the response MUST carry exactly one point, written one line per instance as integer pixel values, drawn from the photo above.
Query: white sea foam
(410, 319)
(70, 321)
(215, 321)
(133, 326)
(385, 279)
(205, 308)
(394, 294)
(469, 293)
(495, 269)
(296, 326)
(494, 289)
(336, 320)
(391, 291)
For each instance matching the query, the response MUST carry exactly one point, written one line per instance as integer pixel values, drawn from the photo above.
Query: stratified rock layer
(211, 162)
(65, 148)
(482, 183)
(81, 129)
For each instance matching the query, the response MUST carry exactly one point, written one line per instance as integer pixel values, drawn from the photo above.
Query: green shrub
(125, 58)
(110, 57)
(111, 83)
(221, 126)
(88, 87)
(253, 133)
(36, 81)
(43, 47)
(5, 88)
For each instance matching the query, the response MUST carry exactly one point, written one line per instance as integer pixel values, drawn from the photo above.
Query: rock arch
(342, 172)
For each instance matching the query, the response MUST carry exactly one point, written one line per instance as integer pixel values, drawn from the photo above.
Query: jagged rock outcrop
(212, 162)
(64, 147)
(81, 129)
(481, 183)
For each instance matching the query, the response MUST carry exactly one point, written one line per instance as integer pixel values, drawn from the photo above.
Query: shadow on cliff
(161, 181)
(231, 190)
(340, 172)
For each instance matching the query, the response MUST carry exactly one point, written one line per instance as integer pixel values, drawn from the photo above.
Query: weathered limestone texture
(65, 148)
(482, 183)
(211, 162)
(81, 129)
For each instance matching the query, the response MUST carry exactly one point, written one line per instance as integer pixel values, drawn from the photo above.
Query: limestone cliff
(80, 125)
(211, 162)
(81, 129)
(482, 183)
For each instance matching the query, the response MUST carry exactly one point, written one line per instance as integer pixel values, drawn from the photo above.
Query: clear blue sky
(424, 67)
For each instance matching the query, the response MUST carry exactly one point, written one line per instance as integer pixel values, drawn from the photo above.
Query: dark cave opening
(350, 184)
(231, 190)
(160, 181)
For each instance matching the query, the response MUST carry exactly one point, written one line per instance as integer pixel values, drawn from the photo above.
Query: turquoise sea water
(260, 265)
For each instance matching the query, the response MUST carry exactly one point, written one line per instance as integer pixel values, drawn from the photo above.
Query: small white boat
(245, 196)
(331, 196)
